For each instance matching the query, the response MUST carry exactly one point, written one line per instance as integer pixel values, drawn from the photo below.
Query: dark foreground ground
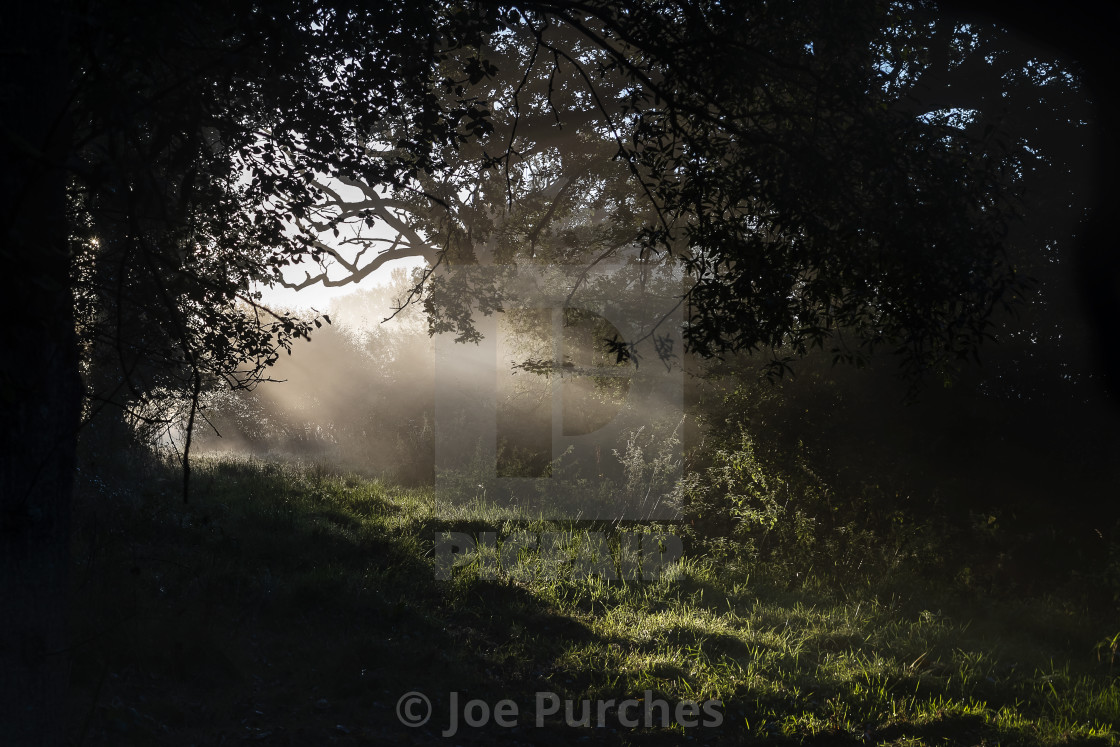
(289, 606)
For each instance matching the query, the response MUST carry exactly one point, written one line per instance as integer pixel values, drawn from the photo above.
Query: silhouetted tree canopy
(816, 197)
(847, 177)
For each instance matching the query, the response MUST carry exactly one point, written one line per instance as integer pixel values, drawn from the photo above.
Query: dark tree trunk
(40, 389)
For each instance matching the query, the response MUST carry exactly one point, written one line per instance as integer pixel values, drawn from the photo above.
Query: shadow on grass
(296, 613)
(961, 729)
(296, 607)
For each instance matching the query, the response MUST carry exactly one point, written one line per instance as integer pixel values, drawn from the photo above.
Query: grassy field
(288, 605)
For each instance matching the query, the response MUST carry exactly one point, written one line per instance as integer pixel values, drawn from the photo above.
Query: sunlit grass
(287, 599)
